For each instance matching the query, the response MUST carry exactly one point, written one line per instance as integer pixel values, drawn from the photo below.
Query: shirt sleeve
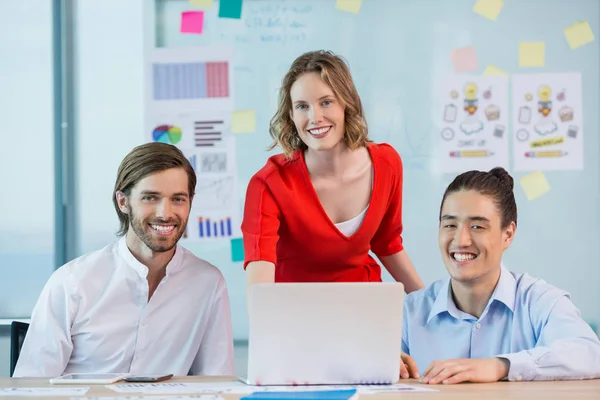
(388, 239)
(48, 346)
(260, 225)
(405, 348)
(567, 347)
(215, 355)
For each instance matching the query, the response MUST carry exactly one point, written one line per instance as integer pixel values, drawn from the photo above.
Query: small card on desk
(306, 395)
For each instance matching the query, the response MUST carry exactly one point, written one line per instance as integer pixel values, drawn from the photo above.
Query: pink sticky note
(192, 22)
(464, 59)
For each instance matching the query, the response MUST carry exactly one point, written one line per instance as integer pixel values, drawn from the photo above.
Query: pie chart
(170, 134)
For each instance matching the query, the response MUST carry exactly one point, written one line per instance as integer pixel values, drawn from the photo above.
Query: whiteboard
(397, 51)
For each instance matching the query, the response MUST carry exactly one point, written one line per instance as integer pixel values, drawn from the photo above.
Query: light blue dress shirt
(527, 321)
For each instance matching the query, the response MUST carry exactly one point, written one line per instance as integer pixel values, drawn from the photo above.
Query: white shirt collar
(173, 266)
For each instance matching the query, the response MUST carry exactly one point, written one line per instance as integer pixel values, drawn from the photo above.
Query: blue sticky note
(230, 9)
(237, 250)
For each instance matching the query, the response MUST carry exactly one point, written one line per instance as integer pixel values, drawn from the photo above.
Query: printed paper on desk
(394, 389)
(174, 388)
(43, 391)
(184, 397)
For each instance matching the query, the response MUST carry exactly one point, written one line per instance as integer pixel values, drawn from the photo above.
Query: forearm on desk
(573, 359)
(402, 270)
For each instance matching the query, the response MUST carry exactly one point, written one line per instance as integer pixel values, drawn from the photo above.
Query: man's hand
(408, 367)
(466, 370)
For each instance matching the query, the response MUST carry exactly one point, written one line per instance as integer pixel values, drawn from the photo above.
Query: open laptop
(325, 333)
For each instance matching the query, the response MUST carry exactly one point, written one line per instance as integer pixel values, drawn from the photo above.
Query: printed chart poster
(473, 123)
(547, 122)
(188, 130)
(215, 210)
(189, 79)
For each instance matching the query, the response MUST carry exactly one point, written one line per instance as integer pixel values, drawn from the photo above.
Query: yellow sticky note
(352, 6)
(492, 70)
(201, 3)
(488, 8)
(535, 185)
(579, 34)
(243, 121)
(532, 54)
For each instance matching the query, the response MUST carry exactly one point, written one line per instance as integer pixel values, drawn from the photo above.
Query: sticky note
(201, 3)
(464, 59)
(488, 8)
(534, 185)
(532, 54)
(579, 34)
(192, 22)
(237, 250)
(491, 70)
(243, 121)
(352, 6)
(230, 9)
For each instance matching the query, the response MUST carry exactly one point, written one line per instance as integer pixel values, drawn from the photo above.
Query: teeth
(319, 131)
(463, 256)
(163, 228)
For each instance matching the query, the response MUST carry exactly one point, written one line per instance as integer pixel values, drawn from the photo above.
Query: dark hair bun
(503, 176)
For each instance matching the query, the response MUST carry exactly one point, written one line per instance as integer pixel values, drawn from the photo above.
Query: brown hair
(335, 72)
(145, 160)
(497, 184)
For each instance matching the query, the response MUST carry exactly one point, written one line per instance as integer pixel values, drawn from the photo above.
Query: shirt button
(144, 323)
(477, 325)
(519, 378)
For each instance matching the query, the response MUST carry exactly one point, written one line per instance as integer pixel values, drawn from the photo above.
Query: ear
(122, 201)
(508, 235)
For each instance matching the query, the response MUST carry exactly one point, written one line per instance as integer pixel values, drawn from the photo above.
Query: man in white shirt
(142, 304)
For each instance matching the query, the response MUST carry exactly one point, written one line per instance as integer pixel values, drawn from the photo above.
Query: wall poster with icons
(547, 122)
(473, 123)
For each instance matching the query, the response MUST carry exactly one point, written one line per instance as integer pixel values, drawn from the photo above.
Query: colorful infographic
(473, 123)
(547, 122)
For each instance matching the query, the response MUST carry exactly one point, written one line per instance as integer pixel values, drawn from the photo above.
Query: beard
(154, 242)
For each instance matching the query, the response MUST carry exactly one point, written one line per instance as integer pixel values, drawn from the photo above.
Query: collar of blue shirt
(504, 292)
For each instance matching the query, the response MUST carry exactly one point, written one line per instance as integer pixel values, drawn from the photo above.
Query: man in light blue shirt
(484, 322)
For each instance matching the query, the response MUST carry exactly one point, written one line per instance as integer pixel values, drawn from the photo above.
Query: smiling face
(471, 237)
(317, 113)
(158, 208)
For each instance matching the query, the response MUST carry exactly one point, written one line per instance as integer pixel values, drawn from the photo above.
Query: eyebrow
(155, 193)
(320, 98)
(474, 218)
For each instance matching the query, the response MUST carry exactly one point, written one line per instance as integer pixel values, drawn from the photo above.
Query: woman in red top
(313, 213)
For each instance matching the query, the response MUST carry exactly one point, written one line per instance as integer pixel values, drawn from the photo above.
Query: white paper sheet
(192, 397)
(241, 388)
(44, 391)
(547, 122)
(472, 120)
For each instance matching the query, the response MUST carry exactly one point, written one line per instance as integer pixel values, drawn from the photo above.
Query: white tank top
(348, 228)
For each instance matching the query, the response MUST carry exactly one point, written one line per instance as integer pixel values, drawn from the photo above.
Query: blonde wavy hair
(335, 72)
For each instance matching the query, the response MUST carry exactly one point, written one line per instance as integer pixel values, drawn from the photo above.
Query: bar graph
(214, 227)
(197, 80)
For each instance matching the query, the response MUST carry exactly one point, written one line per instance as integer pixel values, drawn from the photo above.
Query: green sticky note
(230, 9)
(237, 250)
